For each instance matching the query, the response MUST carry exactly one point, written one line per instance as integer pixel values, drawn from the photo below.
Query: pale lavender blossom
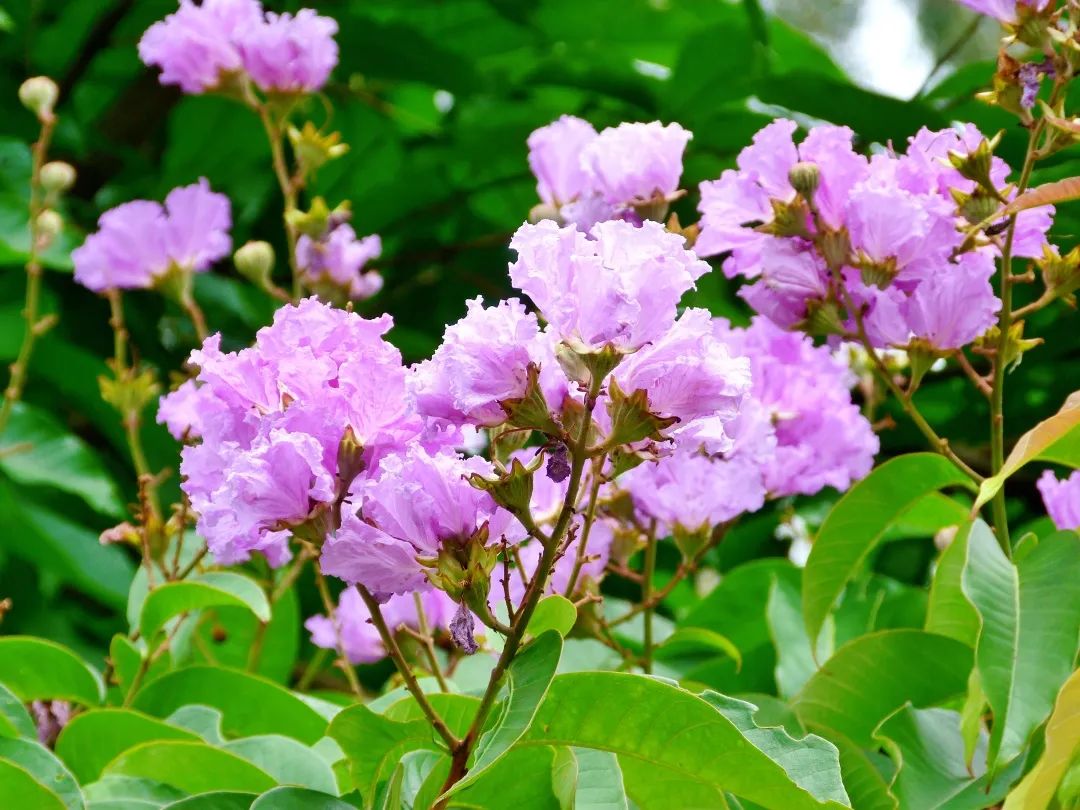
(691, 375)
(1006, 11)
(360, 638)
(137, 243)
(555, 159)
(619, 288)
(195, 46)
(790, 277)
(951, 309)
(482, 362)
(636, 162)
(692, 492)
(417, 502)
(1062, 499)
(338, 259)
(287, 53)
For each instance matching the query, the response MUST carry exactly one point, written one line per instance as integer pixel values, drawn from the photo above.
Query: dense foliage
(483, 404)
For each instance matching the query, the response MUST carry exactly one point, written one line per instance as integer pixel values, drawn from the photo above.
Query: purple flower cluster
(1062, 499)
(797, 432)
(883, 235)
(337, 260)
(140, 242)
(588, 177)
(199, 47)
(1007, 11)
(615, 290)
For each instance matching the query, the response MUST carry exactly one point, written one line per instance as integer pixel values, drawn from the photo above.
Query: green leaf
(858, 522)
(215, 800)
(36, 669)
(18, 788)
(931, 769)
(15, 720)
(870, 677)
(527, 681)
(1036, 790)
(1030, 616)
(1040, 438)
(249, 704)
(417, 780)
(554, 612)
(213, 589)
(43, 765)
(93, 739)
(129, 792)
(288, 761)
(645, 722)
(37, 447)
(599, 781)
(296, 798)
(795, 661)
(193, 767)
(522, 780)
(949, 612)
(867, 786)
(695, 641)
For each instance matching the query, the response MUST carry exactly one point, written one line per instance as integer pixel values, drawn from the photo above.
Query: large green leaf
(865, 776)
(38, 450)
(15, 721)
(527, 681)
(43, 765)
(932, 771)
(212, 589)
(858, 522)
(870, 677)
(667, 735)
(288, 761)
(1039, 439)
(193, 767)
(1030, 614)
(93, 739)
(36, 669)
(949, 612)
(1036, 790)
(124, 792)
(18, 788)
(296, 798)
(249, 704)
(214, 800)
(795, 661)
(599, 781)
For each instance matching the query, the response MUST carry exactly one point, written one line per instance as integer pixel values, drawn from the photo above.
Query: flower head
(338, 260)
(1061, 498)
(555, 159)
(635, 162)
(288, 53)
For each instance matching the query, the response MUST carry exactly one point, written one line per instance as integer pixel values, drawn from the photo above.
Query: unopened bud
(49, 224)
(39, 95)
(57, 176)
(804, 178)
(255, 261)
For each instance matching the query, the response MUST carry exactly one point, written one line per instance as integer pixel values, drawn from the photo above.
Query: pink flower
(196, 45)
(636, 161)
(555, 159)
(691, 375)
(416, 502)
(620, 288)
(693, 492)
(138, 242)
(1062, 499)
(791, 276)
(951, 309)
(128, 251)
(338, 259)
(289, 54)
(359, 636)
(1007, 11)
(481, 362)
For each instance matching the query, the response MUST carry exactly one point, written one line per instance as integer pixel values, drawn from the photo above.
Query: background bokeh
(435, 99)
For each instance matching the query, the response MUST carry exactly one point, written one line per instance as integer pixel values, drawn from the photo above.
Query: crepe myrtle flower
(1061, 498)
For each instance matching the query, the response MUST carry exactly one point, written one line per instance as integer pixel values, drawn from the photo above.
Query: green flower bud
(39, 95)
(49, 224)
(804, 178)
(254, 261)
(57, 176)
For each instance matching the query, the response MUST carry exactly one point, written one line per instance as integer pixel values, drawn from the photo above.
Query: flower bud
(57, 176)
(804, 178)
(49, 224)
(39, 95)
(254, 261)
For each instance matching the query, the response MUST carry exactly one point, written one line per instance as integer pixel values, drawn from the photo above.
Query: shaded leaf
(1036, 790)
(194, 767)
(212, 589)
(36, 669)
